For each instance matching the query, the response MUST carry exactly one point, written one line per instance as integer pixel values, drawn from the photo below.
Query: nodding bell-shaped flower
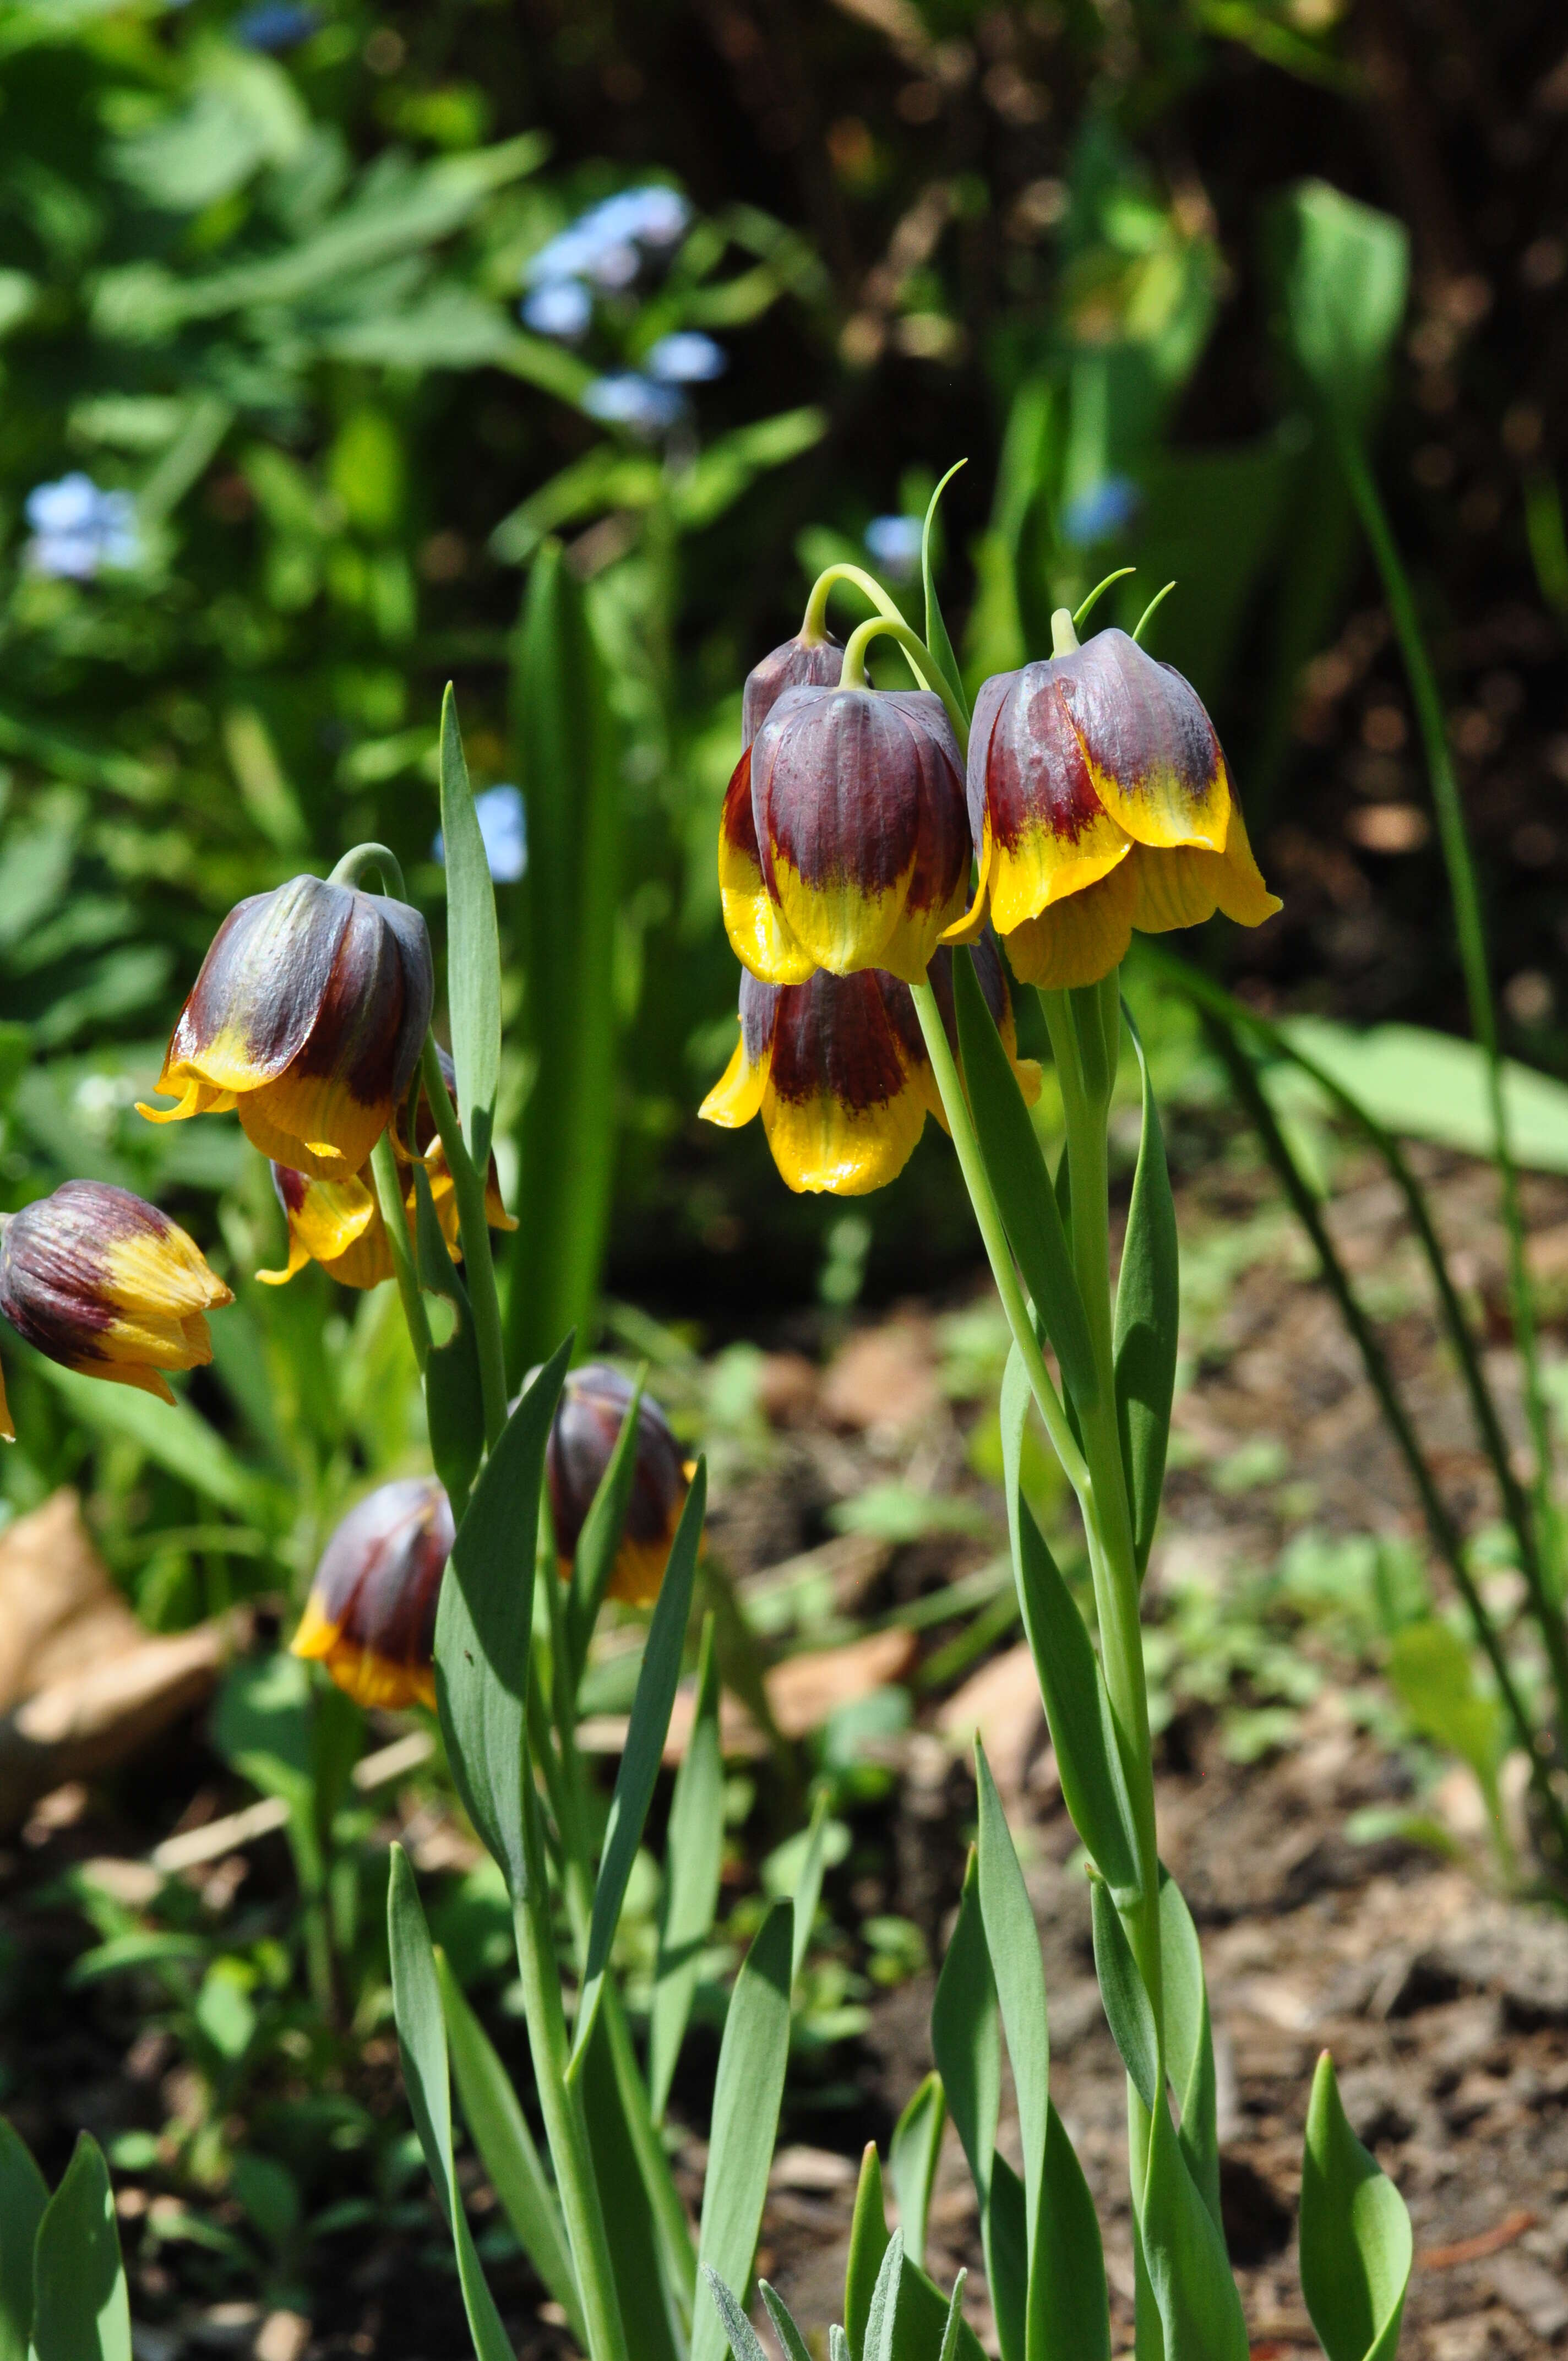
(843, 842)
(102, 1282)
(1101, 802)
(583, 1434)
(338, 1223)
(308, 1017)
(370, 1617)
(800, 662)
(837, 1070)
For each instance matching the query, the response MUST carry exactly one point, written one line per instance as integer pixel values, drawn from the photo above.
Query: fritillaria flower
(583, 1434)
(837, 1070)
(370, 1617)
(308, 1017)
(1101, 802)
(851, 849)
(102, 1282)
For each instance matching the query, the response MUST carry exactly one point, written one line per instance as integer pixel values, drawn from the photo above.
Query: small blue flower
(78, 528)
(559, 307)
(893, 544)
(503, 824)
(687, 357)
(1107, 509)
(603, 243)
(273, 25)
(629, 399)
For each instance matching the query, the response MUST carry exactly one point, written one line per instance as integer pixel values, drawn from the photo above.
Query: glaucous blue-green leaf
(742, 2339)
(1022, 1184)
(1128, 2009)
(954, 2322)
(745, 2097)
(453, 1397)
(868, 2250)
(912, 2159)
(1013, 1940)
(936, 638)
(1356, 2235)
(484, 1625)
(1078, 1709)
(650, 2324)
(473, 945)
(422, 2036)
(1344, 273)
(965, 2037)
(500, 2132)
(786, 2328)
(81, 2310)
(694, 1859)
(1148, 1311)
(24, 2193)
(1189, 2044)
(1073, 2303)
(643, 1751)
(1199, 2310)
(882, 2321)
(808, 1885)
(601, 1539)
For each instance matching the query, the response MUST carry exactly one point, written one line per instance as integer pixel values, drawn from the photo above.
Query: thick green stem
(1470, 929)
(564, 2126)
(359, 858)
(926, 667)
(813, 625)
(386, 1186)
(994, 1238)
(479, 1264)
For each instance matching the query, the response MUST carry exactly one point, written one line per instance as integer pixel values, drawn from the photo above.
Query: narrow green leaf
(1356, 2235)
(81, 2310)
(643, 1753)
(694, 1859)
(838, 2344)
(473, 945)
(483, 1627)
(882, 2323)
(506, 2146)
(1078, 1707)
(785, 2327)
(1004, 2231)
(965, 2038)
(924, 2320)
(421, 2038)
(24, 2194)
(1188, 2044)
(1148, 1313)
(1073, 2306)
(808, 1885)
(742, 2338)
(867, 2248)
(453, 1397)
(936, 638)
(1022, 1183)
(601, 1539)
(1344, 273)
(648, 2323)
(745, 2097)
(1189, 2269)
(953, 2323)
(1128, 2009)
(1013, 1940)
(912, 2160)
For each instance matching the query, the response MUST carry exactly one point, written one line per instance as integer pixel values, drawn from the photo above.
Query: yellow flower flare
(583, 1434)
(837, 1070)
(308, 1015)
(338, 1223)
(370, 1617)
(1100, 802)
(104, 1283)
(843, 842)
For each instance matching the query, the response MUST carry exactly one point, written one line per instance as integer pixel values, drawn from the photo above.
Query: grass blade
(784, 2325)
(744, 2342)
(912, 2160)
(694, 1858)
(1148, 1313)
(746, 2098)
(936, 638)
(473, 945)
(868, 2250)
(453, 1395)
(808, 1886)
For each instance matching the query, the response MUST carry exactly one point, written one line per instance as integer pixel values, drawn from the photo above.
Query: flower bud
(852, 850)
(583, 1434)
(1100, 801)
(839, 1071)
(104, 1283)
(370, 1617)
(308, 1015)
(798, 663)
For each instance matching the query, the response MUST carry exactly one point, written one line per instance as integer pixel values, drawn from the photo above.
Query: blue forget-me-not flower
(78, 528)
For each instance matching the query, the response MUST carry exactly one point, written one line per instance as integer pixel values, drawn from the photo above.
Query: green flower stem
(479, 1264)
(1472, 933)
(386, 1187)
(926, 667)
(564, 2126)
(1084, 1047)
(813, 625)
(973, 1166)
(359, 858)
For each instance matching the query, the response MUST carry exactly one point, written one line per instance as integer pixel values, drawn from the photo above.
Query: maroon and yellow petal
(1043, 831)
(1078, 941)
(758, 934)
(371, 1679)
(843, 1107)
(1150, 745)
(313, 1124)
(253, 1004)
(196, 1097)
(798, 663)
(1183, 887)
